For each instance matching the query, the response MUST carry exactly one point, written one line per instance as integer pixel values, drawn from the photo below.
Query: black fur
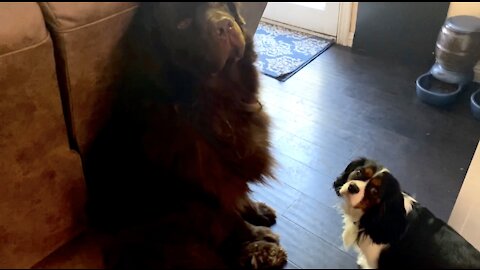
(342, 179)
(167, 175)
(429, 242)
(385, 222)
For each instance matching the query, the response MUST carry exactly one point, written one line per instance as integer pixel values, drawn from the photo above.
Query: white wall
(465, 217)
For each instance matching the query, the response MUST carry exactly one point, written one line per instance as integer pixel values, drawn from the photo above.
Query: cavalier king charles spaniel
(390, 229)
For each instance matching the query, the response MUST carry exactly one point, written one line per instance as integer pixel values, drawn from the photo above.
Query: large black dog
(168, 175)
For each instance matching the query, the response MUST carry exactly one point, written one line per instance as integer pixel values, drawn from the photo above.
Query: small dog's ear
(355, 164)
(342, 179)
(385, 222)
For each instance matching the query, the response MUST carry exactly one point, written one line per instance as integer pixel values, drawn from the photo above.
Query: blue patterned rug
(282, 52)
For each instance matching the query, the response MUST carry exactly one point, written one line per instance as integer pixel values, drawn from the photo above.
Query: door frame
(347, 18)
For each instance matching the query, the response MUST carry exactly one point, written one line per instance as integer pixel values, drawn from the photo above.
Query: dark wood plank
(307, 250)
(320, 220)
(328, 162)
(291, 265)
(276, 194)
(344, 105)
(306, 180)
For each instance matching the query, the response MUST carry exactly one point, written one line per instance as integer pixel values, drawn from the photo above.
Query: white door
(321, 17)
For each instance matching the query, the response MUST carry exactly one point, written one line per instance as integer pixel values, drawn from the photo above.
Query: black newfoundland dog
(168, 175)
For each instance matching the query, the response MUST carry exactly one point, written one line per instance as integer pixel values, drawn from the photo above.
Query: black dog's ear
(385, 222)
(235, 9)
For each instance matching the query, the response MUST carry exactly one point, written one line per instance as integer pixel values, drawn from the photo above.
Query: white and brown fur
(390, 229)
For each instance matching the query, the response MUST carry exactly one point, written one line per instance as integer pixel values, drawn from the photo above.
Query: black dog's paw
(260, 214)
(263, 255)
(261, 233)
(266, 214)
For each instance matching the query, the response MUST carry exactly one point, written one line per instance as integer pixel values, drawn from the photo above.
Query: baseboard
(291, 27)
(351, 35)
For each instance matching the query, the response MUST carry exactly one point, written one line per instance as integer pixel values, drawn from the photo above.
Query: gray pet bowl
(475, 104)
(435, 92)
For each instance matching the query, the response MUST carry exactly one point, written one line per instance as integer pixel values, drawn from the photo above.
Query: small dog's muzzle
(353, 188)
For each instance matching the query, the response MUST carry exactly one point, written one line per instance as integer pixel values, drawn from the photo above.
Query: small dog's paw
(263, 255)
(362, 262)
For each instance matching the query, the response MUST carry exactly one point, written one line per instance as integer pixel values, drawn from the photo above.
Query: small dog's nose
(224, 26)
(353, 188)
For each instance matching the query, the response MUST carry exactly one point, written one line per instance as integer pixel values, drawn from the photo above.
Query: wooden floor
(341, 106)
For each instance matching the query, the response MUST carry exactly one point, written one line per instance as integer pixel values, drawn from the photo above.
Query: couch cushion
(83, 252)
(86, 37)
(68, 16)
(21, 26)
(42, 192)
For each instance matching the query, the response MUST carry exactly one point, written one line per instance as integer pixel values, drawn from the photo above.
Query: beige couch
(57, 73)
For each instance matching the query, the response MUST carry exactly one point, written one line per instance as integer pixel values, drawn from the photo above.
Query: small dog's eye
(358, 173)
(184, 24)
(373, 191)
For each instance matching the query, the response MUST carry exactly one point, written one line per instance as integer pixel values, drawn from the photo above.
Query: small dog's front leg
(362, 261)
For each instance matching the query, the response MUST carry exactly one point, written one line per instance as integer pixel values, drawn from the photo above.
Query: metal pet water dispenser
(457, 51)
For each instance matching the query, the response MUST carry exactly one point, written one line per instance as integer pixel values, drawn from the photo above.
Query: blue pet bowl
(435, 92)
(475, 104)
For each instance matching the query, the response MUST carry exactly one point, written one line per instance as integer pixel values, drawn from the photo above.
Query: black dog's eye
(184, 24)
(358, 174)
(373, 191)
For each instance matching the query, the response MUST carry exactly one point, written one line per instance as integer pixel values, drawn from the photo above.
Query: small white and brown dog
(390, 229)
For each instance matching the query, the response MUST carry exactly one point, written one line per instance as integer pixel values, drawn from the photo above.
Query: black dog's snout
(353, 188)
(224, 26)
